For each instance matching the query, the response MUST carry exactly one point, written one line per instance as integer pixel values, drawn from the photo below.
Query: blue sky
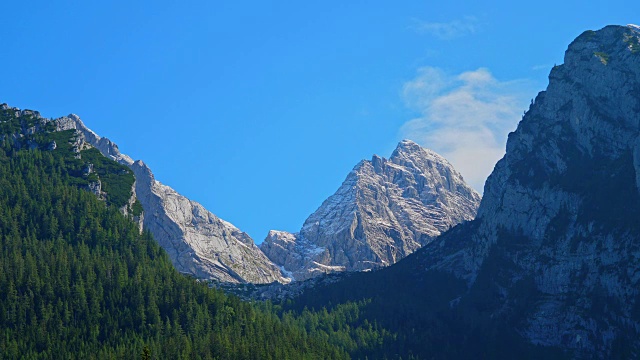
(258, 110)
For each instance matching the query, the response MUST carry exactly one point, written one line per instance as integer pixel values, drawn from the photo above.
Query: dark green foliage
(78, 280)
(146, 353)
(62, 139)
(12, 123)
(424, 315)
(588, 35)
(136, 208)
(604, 57)
(434, 315)
(116, 179)
(345, 326)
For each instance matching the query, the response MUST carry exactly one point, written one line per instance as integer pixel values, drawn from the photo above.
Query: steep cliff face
(560, 210)
(384, 210)
(197, 241)
(550, 267)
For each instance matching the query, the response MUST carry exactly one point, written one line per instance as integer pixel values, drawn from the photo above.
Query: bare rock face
(560, 211)
(197, 241)
(385, 210)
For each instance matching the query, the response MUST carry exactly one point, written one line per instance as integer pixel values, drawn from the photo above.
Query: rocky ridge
(198, 242)
(560, 211)
(384, 210)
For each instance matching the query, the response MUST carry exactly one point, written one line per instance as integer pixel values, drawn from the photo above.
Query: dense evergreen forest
(416, 307)
(79, 280)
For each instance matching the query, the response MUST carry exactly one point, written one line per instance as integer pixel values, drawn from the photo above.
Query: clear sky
(259, 109)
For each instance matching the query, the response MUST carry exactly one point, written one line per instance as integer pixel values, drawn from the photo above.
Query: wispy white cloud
(464, 117)
(448, 30)
(541, 67)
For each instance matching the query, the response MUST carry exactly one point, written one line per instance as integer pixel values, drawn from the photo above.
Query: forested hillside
(427, 315)
(79, 280)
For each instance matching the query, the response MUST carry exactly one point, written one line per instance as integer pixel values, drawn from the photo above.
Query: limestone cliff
(385, 210)
(560, 210)
(198, 242)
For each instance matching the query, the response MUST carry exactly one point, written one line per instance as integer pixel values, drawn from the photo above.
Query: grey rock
(198, 242)
(385, 210)
(96, 188)
(559, 207)
(30, 113)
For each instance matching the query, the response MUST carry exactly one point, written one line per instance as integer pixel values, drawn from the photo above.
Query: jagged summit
(413, 155)
(106, 146)
(383, 211)
(550, 267)
(410, 146)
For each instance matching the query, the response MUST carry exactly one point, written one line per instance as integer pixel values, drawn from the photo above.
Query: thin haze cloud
(541, 67)
(448, 30)
(464, 117)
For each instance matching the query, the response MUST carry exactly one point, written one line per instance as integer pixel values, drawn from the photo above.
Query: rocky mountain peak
(590, 105)
(106, 146)
(610, 45)
(414, 156)
(383, 211)
(560, 208)
(408, 146)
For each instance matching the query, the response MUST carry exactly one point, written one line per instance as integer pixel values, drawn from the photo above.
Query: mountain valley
(98, 259)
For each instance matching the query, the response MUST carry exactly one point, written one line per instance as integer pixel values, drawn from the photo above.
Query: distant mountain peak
(408, 151)
(409, 145)
(410, 148)
(383, 211)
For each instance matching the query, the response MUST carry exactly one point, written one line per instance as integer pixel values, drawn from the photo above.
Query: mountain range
(80, 280)
(385, 210)
(550, 267)
(545, 265)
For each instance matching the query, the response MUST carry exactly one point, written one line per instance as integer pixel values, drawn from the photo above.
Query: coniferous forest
(547, 266)
(79, 280)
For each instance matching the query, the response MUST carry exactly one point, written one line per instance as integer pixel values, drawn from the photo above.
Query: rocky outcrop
(560, 210)
(197, 241)
(385, 210)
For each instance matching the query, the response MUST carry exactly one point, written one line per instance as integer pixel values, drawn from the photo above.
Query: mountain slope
(79, 281)
(198, 242)
(383, 211)
(562, 205)
(551, 264)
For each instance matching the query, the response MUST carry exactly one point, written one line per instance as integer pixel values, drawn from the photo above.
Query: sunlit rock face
(198, 242)
(385, 210)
